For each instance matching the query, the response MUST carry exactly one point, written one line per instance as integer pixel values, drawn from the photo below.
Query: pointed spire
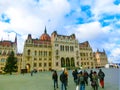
(45, 30)
(16, 39)
(15, 43)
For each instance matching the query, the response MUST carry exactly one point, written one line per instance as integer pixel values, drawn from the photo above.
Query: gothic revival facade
(37, 53)
(6, 46)
(100, 58)
(86, 55)
(52, 52)
(65, 51)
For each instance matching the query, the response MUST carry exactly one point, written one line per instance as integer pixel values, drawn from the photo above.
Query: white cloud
(28, 16)
(31, 17)
(103, 7)
(89, 31)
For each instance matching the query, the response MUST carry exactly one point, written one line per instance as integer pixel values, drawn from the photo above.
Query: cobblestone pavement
(43, 81)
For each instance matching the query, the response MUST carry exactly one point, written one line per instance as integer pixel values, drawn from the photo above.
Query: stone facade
(53, 52)
(65, 51)
(6, 47)
(86, 55)
(100, 58)
(37, 53)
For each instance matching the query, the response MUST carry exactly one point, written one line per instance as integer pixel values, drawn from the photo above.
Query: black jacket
(63, 77)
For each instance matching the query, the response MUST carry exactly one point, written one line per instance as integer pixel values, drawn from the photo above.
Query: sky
(95, 21)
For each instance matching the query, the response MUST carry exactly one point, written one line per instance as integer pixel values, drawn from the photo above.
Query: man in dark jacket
(75, 76)
(101, 76)
(63, 79)
(55, 79)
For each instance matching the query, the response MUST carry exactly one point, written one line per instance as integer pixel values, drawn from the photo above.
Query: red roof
(6, 43)
(45, 37)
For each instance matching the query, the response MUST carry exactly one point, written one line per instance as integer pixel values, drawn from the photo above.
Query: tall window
(56, 63)
(35, 64)
(61, 48)
(45, 64)
(56, 52)
(71, 48)
(35, 53)
(49, 53)
(62, 62)
(39, 53)
(67, 62)
(28, 52)
(73, 62)
(49, 64)
(40, 64)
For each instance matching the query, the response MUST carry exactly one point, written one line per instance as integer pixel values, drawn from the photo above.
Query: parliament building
(52, 52)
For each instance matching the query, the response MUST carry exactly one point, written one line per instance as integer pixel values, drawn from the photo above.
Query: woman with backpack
(81, 80)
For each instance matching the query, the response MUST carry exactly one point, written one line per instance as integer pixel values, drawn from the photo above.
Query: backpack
(63, 77)
(81, 79)
(101, 75)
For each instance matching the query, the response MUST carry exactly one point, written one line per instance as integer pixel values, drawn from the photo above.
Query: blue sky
(96, 21)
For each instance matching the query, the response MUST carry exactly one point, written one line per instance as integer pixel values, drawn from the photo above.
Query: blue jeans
(82, 86)
(63, 86)
(55, 84)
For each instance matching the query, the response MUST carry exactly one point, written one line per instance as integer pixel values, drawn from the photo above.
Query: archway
(27, 67)
(67, 62)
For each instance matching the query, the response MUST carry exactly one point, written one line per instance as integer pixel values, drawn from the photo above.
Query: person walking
(86, 77)
(95, 81)
(63, 79)
(75, 76)
(90, 76)
(101, 77)
(81, 81)
(66, 72)
(55, 79)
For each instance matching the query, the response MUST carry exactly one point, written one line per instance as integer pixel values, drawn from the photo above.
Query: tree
(11, 64)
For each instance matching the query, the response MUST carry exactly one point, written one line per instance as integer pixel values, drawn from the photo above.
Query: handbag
(93, 83)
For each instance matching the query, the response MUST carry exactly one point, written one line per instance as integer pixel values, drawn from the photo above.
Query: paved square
(43, 81)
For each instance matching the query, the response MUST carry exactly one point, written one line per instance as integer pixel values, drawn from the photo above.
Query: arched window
(67, 62)
(60, 47)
